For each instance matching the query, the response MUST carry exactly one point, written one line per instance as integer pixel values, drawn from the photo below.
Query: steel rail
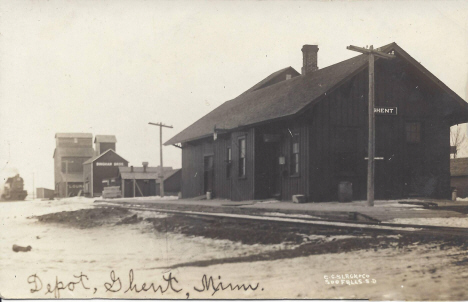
(378, 227)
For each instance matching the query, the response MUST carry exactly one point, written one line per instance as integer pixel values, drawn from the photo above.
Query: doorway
(208, 174)
(268, 182)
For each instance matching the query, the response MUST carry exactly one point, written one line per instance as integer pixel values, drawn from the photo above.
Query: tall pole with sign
(371, 144)
(161, 172)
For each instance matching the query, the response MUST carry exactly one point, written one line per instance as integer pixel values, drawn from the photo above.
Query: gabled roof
(73, 135)
(288, 98)
(274, 78)
(459, 166)
(105, 139)
(92, 159)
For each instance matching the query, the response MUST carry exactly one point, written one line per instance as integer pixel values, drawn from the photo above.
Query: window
(413, 132)
(228, 162)
(242, 157)
(295, 156)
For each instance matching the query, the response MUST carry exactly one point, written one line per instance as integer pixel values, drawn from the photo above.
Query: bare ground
(306, 240)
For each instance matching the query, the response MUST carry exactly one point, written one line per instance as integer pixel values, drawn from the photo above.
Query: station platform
(382, 211)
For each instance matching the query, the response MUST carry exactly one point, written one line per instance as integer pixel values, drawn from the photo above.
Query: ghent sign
(385, 110)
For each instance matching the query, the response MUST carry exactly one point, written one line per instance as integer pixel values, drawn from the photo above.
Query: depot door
(208, 174)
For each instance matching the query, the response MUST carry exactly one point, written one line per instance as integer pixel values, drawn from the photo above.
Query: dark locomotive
(14, 189)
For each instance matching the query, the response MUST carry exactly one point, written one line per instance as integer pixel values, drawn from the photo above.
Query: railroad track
(382, 227)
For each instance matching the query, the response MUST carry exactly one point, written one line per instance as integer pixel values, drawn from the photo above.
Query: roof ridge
(283, 99)
(92, 159)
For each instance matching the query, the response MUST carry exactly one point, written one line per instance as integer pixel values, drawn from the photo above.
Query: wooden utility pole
(66, 178)
(161, 173)
(371, 146)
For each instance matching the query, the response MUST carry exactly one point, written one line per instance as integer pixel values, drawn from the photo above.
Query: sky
(110, 67)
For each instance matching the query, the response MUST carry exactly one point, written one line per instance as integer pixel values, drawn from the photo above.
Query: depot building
(305, 136)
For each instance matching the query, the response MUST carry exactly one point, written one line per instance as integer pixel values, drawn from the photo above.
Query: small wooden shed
(144, 181)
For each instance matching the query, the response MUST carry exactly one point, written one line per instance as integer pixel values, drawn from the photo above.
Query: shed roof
(291, 97)
(74, 152)
(72, 177)
(151, 173)
(105, 139)
(459, 166)
(169, 174)
(74, 135)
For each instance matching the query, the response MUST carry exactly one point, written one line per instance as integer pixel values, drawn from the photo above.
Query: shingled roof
(274, 77)
(289, 97)
(459, 166)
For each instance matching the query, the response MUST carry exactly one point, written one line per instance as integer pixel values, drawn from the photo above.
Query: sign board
(110, 164)
(385, 110)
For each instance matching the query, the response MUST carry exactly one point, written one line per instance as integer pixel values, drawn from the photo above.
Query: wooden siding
(345, 111)
(71, 142)
(171, 184)
(148, 187)
(99, 173)
(333, 139)
(193, 166)
(233, 187)
(267, 160)
(222, 181)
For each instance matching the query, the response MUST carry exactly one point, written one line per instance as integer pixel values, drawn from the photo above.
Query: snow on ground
(416, 272)
(40, 207)
(290, 215)
(398, 205)
(324, 238)
(146, 198)
(457, 222)
(59, 250)
(267, 201)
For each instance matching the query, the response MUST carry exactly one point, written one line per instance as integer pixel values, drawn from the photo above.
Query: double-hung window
(413, 132)
(228, 162)
(242, 162)
(295, 154)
